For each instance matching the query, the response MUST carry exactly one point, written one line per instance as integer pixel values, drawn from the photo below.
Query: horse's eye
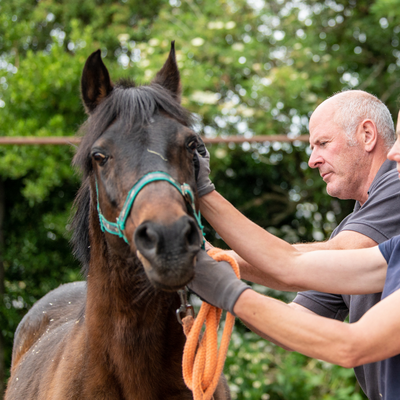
(192, 144)
(100, 158)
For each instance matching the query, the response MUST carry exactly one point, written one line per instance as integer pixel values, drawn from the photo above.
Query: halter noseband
(117, 228)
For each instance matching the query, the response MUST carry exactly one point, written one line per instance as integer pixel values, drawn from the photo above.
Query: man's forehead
(322, 121)
(316, 134)
(326, 129)
(398, 124)
(323, 114)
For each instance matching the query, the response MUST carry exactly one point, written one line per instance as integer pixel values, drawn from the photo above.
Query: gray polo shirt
(379, 219)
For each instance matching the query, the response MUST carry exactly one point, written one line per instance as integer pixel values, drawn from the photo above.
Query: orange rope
(202, 369)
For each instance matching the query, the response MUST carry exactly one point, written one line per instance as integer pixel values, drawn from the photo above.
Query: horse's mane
(136, 106)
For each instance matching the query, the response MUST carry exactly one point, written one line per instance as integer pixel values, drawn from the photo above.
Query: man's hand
(216, 282)
(202, 170)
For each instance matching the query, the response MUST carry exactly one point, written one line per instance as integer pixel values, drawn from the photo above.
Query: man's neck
(375, 166)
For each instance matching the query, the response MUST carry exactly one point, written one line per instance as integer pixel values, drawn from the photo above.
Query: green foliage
(37, 257)
(28, 24)
(41, 99)
(256, 369)
(248, 68)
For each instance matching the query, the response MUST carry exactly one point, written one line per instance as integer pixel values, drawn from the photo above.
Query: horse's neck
(132, 328)
(119, 290)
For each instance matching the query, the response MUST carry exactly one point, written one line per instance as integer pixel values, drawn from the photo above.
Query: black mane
(134, 105)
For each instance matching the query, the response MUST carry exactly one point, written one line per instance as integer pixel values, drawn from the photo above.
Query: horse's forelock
(136, 106)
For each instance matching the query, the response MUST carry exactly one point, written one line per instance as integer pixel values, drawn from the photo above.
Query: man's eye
(100, 158)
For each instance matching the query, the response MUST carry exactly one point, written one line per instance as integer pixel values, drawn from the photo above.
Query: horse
(115, 335)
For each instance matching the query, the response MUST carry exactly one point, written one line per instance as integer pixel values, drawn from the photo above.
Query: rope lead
(202, 369)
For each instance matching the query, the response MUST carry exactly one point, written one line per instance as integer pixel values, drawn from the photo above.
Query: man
(350, 136)
(373, 338)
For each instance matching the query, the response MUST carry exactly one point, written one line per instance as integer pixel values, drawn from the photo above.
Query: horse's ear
(95, 82)
(168, 76)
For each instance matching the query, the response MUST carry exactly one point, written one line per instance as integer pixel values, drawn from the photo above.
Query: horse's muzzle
(167, 252)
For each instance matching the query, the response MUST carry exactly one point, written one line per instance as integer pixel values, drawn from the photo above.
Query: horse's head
(137, 158)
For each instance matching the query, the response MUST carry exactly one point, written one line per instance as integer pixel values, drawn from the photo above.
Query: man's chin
(333, 190)
(337, 191)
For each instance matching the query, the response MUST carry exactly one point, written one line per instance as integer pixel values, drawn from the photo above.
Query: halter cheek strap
(117, 228)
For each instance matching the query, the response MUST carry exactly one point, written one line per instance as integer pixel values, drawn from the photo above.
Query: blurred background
(248, 68)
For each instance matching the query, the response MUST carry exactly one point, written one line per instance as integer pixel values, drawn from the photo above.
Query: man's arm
(277, 264)
(372, 338)
(295, 306)
(343, 240)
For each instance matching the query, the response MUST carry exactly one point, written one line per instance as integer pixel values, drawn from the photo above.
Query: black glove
(216, 282)
(202, 170)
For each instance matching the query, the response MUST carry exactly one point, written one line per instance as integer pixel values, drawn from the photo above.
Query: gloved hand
(216, 282)
(202, 169)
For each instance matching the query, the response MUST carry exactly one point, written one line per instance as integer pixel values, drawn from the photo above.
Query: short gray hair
(353, 106)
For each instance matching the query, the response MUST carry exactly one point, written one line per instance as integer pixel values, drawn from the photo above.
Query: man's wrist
(246, 298)
(206, 201)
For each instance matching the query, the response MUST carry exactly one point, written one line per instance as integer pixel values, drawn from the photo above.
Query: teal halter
(117, 228)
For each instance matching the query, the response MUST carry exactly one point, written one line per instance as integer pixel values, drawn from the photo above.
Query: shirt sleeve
(387, 248)
(391, 252)
(324, 304)
(379, 217)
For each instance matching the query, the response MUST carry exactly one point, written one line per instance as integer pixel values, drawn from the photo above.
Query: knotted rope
(202, 369)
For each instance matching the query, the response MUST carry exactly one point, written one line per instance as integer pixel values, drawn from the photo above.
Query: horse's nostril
(192, 233)
(176, 241)
(146, 237)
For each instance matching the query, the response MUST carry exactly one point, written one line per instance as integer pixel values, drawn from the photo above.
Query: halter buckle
(185, 307)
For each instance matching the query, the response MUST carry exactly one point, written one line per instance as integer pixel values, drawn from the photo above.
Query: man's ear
(369, 134)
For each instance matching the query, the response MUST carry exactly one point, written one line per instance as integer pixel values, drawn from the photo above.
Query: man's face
(340, 165)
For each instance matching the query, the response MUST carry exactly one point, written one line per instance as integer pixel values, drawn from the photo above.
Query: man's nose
(394, 153)
(315, 159)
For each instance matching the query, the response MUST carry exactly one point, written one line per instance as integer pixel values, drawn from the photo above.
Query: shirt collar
(387, 166)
